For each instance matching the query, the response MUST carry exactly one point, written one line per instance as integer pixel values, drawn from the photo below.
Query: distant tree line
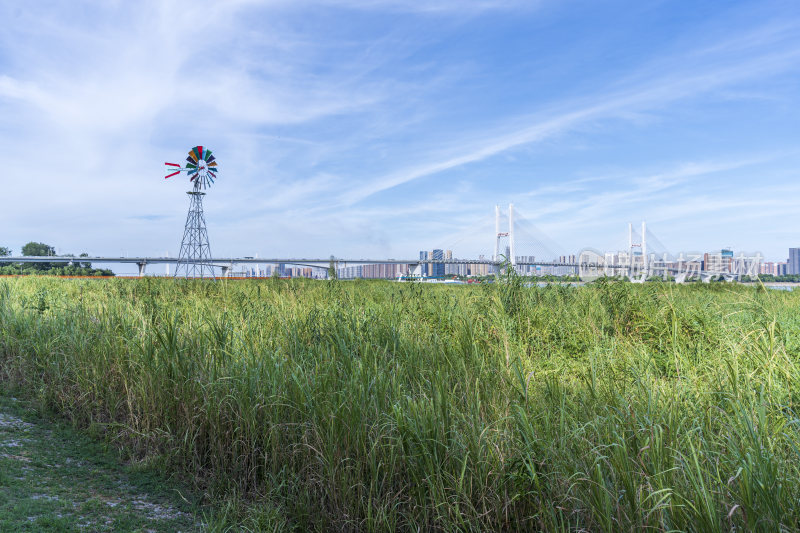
(58, 267)
(787, 277)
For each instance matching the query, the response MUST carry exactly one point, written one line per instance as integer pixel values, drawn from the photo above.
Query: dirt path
(55, 479)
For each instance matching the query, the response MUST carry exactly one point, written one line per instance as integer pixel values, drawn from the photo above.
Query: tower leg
(645, 263)
(194, 259)
(630, 251)
(512, 259)
(496, 256)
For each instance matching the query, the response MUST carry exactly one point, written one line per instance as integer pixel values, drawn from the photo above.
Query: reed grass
(380, 406)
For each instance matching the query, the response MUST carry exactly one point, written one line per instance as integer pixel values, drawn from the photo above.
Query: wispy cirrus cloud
(651, 94)
(434, 7)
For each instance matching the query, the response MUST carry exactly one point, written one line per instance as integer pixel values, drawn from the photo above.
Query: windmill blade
(200, 166)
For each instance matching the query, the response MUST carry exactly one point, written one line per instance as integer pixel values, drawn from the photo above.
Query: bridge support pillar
(141, 268)
(225, 270)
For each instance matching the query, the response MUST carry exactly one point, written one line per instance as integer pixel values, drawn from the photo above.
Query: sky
(378, 128)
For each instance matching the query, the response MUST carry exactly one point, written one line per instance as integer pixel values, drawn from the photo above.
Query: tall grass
(378, 406)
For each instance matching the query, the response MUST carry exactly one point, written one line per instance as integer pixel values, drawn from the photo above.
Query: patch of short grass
(53, 478)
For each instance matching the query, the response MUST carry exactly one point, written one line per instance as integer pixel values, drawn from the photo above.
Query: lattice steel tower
(194, 259)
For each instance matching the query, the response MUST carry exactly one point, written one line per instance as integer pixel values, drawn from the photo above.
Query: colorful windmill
(201, 167)
(194, 259)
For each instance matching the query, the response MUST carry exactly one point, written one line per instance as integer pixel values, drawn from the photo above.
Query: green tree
(5, 252)
(38, 249)
(332, 269)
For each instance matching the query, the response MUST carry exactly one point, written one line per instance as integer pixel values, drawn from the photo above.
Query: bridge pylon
(635, 266)
(500, 235)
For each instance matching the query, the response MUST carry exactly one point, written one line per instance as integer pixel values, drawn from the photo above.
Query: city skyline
(363, 128)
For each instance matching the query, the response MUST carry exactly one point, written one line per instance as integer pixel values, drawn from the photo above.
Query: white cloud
(317, 107)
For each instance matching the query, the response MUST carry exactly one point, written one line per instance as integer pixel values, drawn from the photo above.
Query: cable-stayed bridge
(515, 243)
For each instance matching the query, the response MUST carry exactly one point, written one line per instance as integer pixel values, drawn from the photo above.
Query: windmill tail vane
(200, 166)
(173, 165)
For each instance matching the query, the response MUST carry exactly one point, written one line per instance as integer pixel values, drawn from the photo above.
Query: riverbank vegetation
(54, 268)
(61, 265)
(380, 406)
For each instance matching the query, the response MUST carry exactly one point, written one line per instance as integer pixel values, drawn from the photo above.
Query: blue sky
(376, 128)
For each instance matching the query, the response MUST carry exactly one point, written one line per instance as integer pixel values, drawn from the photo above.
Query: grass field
(379, 406)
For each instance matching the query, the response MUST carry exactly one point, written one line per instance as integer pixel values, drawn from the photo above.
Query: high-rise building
(351, 272)
(457, 269)
(718, 262)
(479, 269)
(437, 269)
(381, 271)
(793, 266)
(424, 268)
(450, 268)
